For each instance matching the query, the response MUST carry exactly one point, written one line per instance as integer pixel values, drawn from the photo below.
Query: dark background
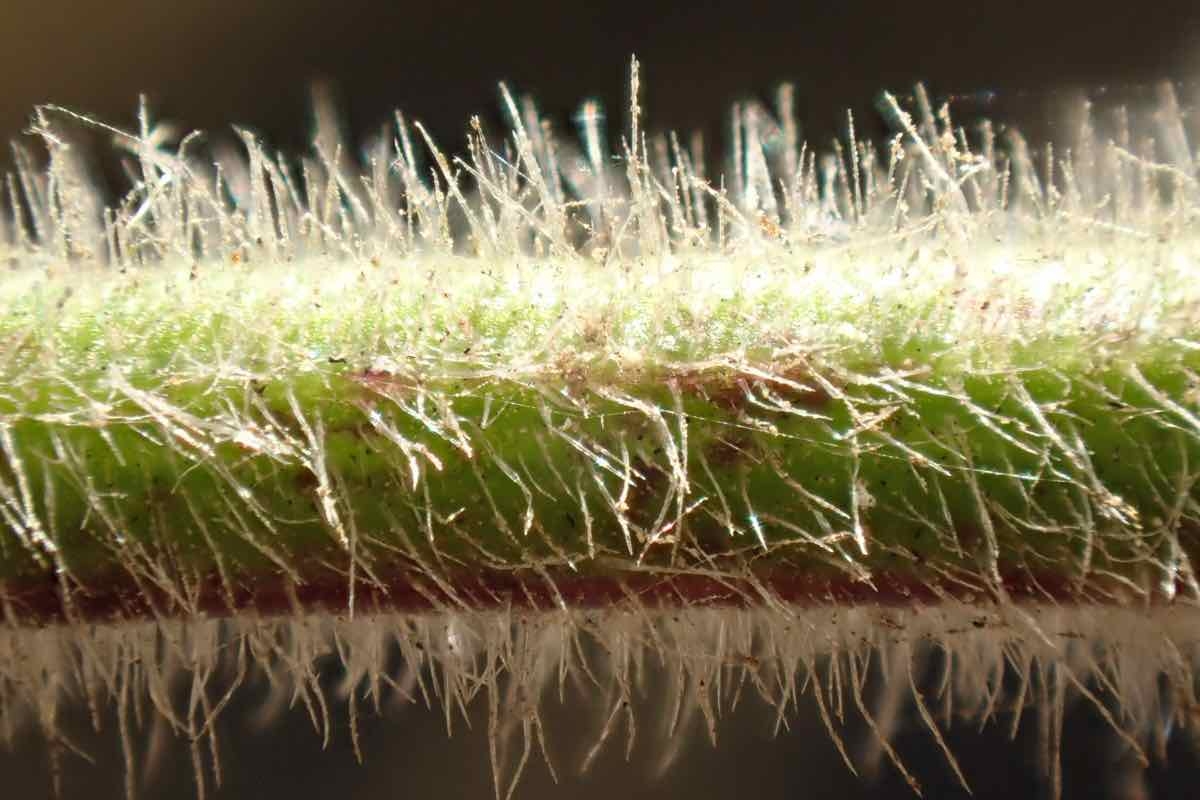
(207, 64)
(407, 753)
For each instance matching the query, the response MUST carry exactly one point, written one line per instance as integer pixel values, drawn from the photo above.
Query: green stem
(853, 466)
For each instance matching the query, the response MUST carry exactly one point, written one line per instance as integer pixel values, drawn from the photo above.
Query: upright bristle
(934, 392)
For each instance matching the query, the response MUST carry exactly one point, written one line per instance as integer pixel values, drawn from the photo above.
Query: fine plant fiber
(551, 414)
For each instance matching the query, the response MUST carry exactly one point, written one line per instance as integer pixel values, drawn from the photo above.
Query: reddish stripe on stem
(43, 601)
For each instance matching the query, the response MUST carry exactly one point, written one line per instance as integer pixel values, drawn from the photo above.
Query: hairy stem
(931, 373)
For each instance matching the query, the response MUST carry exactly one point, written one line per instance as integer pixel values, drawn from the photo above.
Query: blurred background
(407, 752)
(209, 63)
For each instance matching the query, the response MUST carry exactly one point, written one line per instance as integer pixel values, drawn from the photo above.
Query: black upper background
(208, 64)
(251, 62)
